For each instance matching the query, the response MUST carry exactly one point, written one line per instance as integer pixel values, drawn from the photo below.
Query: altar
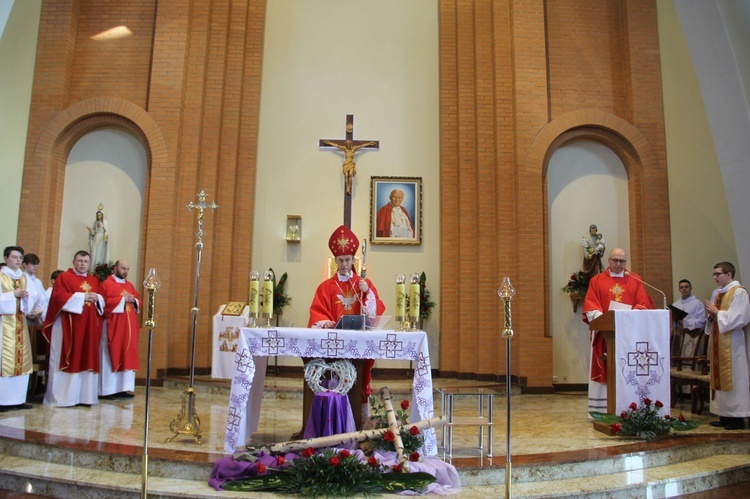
(256, 344)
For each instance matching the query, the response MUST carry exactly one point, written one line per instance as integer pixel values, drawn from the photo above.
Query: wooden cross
(349, 146)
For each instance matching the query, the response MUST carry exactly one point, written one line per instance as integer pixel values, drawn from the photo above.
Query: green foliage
(425, 304)
(280, 298)
(578, 283)
(103, 270)
(645, 421)
(411, 437)
(331, 474)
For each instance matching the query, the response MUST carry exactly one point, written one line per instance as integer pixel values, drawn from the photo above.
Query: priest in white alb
(729, 327)
(15, 361)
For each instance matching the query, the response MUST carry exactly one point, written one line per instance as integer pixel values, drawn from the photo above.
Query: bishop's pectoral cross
(349, 146)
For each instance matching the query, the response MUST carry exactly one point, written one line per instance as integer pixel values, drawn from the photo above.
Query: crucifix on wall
(349, 147)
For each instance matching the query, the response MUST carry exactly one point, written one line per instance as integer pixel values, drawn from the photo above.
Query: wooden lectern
(605, 324)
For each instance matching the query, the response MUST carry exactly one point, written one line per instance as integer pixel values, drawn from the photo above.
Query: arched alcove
(106, 167)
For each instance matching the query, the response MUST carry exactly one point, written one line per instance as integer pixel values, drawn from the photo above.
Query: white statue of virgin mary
(99, 240)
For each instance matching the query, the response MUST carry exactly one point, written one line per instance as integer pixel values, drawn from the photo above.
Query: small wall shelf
(293, 228)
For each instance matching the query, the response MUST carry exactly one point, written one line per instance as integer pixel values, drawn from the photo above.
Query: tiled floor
(545, 429)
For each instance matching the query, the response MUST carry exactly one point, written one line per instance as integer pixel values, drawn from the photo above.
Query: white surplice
(734, 321)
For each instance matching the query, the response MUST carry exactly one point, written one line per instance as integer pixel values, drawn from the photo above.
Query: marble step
(58, 471)
(58, 480)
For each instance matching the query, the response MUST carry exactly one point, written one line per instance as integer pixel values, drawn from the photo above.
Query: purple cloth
(330, 414)
(227, 469)
(447, 482)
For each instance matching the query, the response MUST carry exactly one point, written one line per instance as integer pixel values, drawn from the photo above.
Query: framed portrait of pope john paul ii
(396, 210)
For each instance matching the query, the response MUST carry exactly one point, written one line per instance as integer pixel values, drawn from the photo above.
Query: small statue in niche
(593, 249)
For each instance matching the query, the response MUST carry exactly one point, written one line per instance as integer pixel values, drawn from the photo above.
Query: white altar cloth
(256, 344)
(642, 346)
(226, 335)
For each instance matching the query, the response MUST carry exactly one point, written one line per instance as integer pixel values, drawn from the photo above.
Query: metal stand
(506, 292)
(193, 424)
(152, 284)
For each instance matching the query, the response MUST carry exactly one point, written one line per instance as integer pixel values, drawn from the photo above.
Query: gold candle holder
(506, 292)
(151, 283)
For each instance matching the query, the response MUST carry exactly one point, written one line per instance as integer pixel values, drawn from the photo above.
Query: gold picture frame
(396, 210)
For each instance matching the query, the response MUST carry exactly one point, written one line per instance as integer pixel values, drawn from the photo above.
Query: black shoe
(4, 408)
(125, 395)
(722, 422)
(108, 397)
(24, 406)
(735, 424)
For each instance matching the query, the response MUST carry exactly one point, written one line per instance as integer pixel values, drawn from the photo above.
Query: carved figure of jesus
(349, 167)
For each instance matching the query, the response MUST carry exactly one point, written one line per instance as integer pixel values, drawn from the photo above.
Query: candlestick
(414, 293)
(253, 298)
(400, 301)
(506, 292)
(268, 296)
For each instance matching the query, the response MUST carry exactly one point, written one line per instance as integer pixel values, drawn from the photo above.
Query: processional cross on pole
(349, 146)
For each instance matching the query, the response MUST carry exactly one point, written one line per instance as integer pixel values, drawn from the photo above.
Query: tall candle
(268, 298)
(400, 299)
(253, 297)
(414, 301)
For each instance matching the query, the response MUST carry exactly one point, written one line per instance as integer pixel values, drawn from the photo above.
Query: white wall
(105, 166)
(701, 227)
(17, 54)
(324, 59)
(586, 184)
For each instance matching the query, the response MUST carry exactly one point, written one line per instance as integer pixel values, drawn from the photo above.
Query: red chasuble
(383, 220)
(122, 327)
(82, 332)
(603, 288)
(334, 299)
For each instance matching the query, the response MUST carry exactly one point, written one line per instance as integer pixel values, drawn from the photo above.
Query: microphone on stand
(627, 272)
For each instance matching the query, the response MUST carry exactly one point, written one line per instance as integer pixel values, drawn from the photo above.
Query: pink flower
(334, 461)
(397, 468)
(616, 427)
(633, 406)
(372, 461)
(404, 404)
(658, 404)
(414, 457)
(344, 454)
(389, 436)
(280, 460)
(414, 430)
(308, 452)
(261, 468)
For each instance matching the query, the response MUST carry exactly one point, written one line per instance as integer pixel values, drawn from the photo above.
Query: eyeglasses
(717, 274)
(618, 260)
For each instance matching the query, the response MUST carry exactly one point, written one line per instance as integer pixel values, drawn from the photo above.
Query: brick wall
(519, 78)
(187, 84)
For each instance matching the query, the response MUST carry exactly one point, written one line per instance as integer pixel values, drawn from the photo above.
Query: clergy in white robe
(728, 319)
(35, 287)
(696, 318)
(15, 352)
